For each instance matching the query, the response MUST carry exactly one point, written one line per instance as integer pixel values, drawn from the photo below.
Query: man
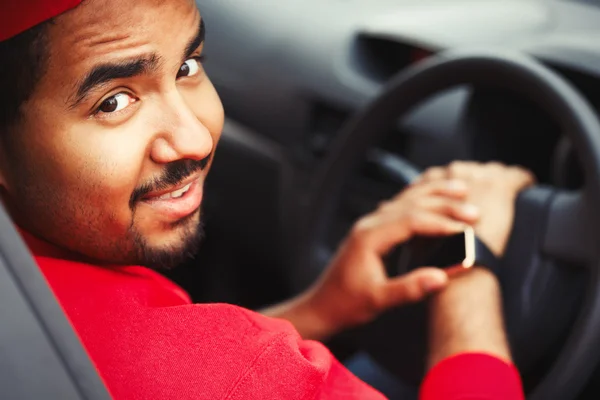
(108, 126)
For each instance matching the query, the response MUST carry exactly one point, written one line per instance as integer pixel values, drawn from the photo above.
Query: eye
(116, 103)
(190, 67)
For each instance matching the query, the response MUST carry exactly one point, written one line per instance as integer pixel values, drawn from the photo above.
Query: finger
(433, 174)
(448, 187)
(414, 286)
(459, 210)
(381, 233)
(464, 170)
(429, 223)
(492, 171)
(522, 177)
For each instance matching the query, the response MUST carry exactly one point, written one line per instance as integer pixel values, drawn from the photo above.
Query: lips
(177, 202)
(176, 193)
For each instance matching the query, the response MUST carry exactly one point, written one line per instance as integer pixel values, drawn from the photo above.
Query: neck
(42, 248)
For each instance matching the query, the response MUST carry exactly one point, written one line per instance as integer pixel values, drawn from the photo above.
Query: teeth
(176, 194)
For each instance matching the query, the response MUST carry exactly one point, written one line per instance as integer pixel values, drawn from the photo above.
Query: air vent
(380, 58)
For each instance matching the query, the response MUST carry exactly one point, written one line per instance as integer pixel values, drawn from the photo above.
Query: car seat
(41, 356)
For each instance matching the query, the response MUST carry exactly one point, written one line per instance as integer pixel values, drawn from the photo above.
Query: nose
(182, 134)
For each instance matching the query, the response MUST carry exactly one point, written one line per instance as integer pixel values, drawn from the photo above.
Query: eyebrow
(104, 73)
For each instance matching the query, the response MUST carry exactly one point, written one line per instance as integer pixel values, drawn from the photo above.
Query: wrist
(320, 306)
(305, 313)
(467, 317)
(477, 278)
(495, 235)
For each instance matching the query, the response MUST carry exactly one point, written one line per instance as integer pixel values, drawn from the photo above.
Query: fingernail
(470, 210)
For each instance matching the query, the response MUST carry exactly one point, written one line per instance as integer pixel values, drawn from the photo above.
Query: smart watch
(463, 249)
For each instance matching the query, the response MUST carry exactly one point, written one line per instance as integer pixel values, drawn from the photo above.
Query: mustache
(173, 174)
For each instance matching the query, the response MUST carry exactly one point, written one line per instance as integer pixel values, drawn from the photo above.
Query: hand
(467, 315)
(355, 288)
(493, 188)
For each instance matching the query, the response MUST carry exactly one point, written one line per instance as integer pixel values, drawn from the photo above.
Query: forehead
(120, 28)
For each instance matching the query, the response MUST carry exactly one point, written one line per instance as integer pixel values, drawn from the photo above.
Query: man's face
(123, 120)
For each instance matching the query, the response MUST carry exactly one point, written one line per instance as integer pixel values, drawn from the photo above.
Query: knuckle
(436, 186)
(361, 229)
(374, 302)
(434, 173)
(530, 176)
(454, 167)
(454, 208)
(526, 174)
(450, 210)
(521, 175)
(444, 186)
(459, 169)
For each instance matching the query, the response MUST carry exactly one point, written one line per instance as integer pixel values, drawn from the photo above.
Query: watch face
(442, 252)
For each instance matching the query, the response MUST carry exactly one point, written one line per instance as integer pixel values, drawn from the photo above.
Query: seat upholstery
(40, 354)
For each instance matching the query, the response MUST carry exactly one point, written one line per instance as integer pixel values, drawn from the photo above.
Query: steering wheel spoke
(570, 234)
(540, 292)
(393, 167)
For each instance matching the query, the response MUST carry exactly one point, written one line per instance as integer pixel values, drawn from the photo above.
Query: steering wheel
(553, 229)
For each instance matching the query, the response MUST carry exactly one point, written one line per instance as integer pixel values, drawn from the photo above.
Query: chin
(172, 246)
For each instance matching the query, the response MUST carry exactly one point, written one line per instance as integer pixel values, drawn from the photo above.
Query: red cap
(17, 16)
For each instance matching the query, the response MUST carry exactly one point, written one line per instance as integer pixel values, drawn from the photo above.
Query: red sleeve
(149, 342)
(472, 377)
(291, 368)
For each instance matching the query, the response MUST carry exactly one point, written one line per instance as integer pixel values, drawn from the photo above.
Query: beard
(192, 231)
(169, 257)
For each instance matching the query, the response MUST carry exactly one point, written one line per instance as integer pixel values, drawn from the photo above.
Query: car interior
(333, 106)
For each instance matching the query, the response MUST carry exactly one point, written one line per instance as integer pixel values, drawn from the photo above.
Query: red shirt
(149, 341)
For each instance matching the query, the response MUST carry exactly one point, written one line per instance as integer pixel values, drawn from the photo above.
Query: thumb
(414, 286)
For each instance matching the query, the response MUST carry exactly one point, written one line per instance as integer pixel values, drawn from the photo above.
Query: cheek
(94, 173)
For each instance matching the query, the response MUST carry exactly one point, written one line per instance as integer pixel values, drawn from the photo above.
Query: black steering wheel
(553, 229)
